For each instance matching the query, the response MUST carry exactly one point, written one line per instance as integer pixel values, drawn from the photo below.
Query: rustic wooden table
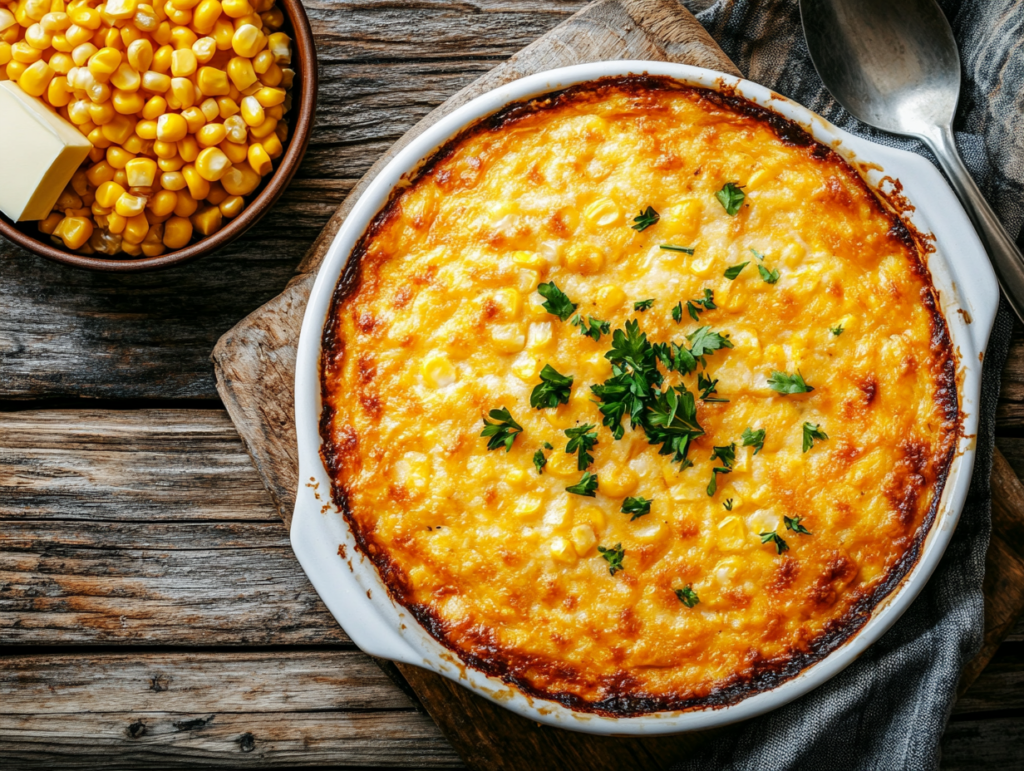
(151, 611)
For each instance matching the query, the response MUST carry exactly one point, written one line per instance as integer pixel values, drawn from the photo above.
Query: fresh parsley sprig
(671, 421)
(704, 341)
(836, 330)
(812, 431)
(645, 219)
(793, 523)
(638, 507)
(755, 439)
(731, 197)
(727, 457)
(587, 486)
(687, 596)
(673, 248)
(643, 305)
(540, 460)
(727, 505)
(596, 328)
(613, 557)
(553, 389)
(502, 433)
(774, 537)
(768, 276)
(697, 307)
(707, 386)
(733, 273)
(557, 302)
(785, 383)
(581, 440)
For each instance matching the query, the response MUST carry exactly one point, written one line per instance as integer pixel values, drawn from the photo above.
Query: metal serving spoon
(893, 64)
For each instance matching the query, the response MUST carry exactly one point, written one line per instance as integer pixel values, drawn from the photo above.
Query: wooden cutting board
(255, 368)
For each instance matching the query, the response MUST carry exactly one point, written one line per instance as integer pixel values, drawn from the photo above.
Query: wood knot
(247, 742)
(136, 730)
(159, 683)
(191, 725)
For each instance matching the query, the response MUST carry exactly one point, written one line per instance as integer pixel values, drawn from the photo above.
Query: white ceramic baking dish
(351, 587)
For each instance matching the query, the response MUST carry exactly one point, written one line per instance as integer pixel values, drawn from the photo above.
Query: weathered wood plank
(287, 680)
(999, 687)
(1010, 412)
(169, 740)
(983, 743)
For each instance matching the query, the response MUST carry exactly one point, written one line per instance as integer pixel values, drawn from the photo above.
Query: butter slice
(39, 153)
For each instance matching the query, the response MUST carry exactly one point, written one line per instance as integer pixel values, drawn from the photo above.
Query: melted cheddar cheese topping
(438, 321)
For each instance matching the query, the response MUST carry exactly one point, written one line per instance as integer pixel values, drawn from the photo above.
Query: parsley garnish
(727, 456)
(704, 341)
(587, 486)
(643, 305)
(674, 248)
(731, 197)
(596, 329)
(713, 484)
(757, 254)
(677, 312)
(558, 302)
(768, 276)
(753, 439)
(645, 219)
(582, 439)
(733, 272)
(675, 357)
(697, 307)
(502, 433)
(785, 383)
(552, 390)
(687, 596)
(812, 431)
(836, 330)
(707, 387)
(638, 507)
(777, 539)
(671, 421)
(613, 557)
(728, 504)
(539, 461)
(793, 523)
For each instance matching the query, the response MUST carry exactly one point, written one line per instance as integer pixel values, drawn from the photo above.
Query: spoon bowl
(894, 65)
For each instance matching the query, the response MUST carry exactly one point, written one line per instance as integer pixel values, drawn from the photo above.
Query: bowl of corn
(198, 111)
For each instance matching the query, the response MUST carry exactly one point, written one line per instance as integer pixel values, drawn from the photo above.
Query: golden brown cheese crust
(437, 320)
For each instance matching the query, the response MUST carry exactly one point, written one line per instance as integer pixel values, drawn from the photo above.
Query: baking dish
(349, 584)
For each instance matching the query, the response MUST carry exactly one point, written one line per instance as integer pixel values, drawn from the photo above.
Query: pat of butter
(39, 153)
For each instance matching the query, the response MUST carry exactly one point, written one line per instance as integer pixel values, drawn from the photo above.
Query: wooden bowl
(303, 107)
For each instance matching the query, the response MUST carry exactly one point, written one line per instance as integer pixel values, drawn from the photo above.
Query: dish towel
(889, 709)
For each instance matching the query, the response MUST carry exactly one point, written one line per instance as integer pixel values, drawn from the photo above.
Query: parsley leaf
(674, 248)
(539, 461)
(596, 329)
(582, 439)
(754, 439)
(558, 302)
(687, 596)
(757, 254)
(785, 383)
(638, 507)
(707, 387)
(713, 484)
(793, 523)
(727, 455)
(731, 197)
(728, 504)
(552, 390)
(635, 371)
(836, 330)
(502, 433)
(671, 421)
(677, 312)
(776, 539)
(587, 486)
(812, 431)
(643, 305)
(613, 557)
(704, 341)
(675, 357)
(697, 307)
(645, 219)
(733, 272)
(768, 276)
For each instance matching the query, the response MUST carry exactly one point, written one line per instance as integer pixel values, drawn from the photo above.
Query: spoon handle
(1004, 254)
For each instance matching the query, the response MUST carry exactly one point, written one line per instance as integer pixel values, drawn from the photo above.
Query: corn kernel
(562, 551)
(162, 59)
(198, 186)
(162, 204)
(236, 9)
(37, 37)
(437, 370)
(24, 53)
(108, 193)
(185, 5)
(5, 52)
(177, 232)
(170, 127)
(609, 297)
(176, 16)
(74, 231)
(235, 153)
(212, 82)
(7, 20)
(228, 107)
(141, 172)
(84, 16)
(145, 20)
(528, 505)
(269, 97)
(76, 35)
(619, 482)
(183, 93)
(104, 62)
(205, 16)
(236, 129)
(211, 134)
(188, 149)
(125, 78)
(127, 102)
(170, 164)
(186, 205)
(273, 18)
(172, 180)
(583, 539)
(49, 224)
(121, 9)
(241, 73)
(156, 82)
(212, 164)
(129, 205)
(135, 229)
(208, 220)
(183, 63)
(240, 180)
(36, 78)
(246, 41)
(60, 63)
(262, 165)
(273, 146)
(223, 32)
(262, 61)
(100, 173)
(581, 258)
(279, 44)
(57, 93)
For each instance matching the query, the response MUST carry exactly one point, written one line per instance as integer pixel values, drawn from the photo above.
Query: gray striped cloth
(889, 709)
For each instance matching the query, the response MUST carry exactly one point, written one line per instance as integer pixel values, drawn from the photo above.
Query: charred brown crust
(763, 675)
